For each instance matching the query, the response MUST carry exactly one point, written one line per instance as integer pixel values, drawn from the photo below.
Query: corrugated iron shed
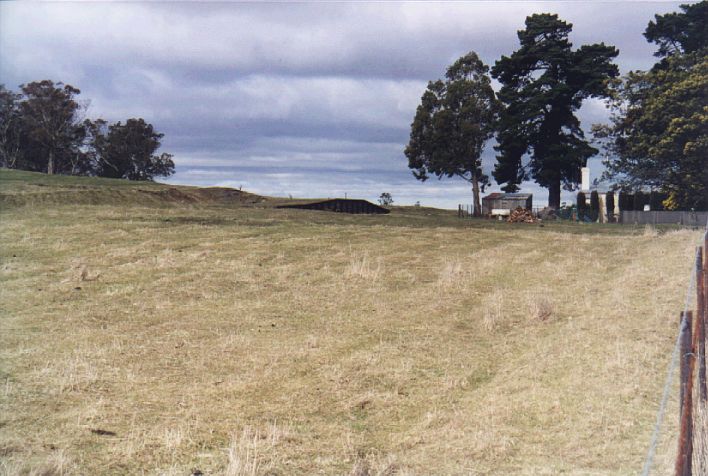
(506, 201)
(341, 205)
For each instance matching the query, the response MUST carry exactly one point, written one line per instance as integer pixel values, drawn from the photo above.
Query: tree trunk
(50, 163)
(475, 194)
(554, 195)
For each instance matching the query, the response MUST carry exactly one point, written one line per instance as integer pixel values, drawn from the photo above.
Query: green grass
(238, 338)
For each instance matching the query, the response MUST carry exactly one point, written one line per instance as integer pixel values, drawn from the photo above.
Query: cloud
(307, 99)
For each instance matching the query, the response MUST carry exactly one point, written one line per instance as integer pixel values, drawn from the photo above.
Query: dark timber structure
(341, 205)
(506, 201)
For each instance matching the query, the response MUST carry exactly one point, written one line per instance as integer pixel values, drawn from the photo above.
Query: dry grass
(246, 341)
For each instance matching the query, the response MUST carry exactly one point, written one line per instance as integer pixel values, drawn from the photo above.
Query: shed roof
(507, 196)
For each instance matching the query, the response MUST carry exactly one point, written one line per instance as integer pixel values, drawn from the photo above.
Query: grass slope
(241, 339)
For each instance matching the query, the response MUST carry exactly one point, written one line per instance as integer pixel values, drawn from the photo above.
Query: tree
(128, 151)
(610, 206)
(658, 136)
(385, 199)
(594, 205)
(680, 33)
(639, 201)
(10, 127)
(581, 202)
(52, 123)
(455, 119)
(544, 83)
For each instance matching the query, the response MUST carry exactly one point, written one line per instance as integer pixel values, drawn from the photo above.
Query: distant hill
(21, 188)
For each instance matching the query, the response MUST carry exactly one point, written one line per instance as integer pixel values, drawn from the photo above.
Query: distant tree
(594, 205)
(385, 199)
(658, 136)
(610, 206)
(129, 151)
(453, 122)
(51, 122)
(87, 160)
(543, 84)
(10, 127)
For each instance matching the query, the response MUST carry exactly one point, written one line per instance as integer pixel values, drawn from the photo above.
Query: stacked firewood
(521, 215)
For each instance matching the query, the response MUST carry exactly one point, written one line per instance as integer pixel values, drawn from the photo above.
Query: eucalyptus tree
(52, 122)
(129, 151)
(453, 122)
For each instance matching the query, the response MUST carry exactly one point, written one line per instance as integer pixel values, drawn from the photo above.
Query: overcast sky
(301, 99)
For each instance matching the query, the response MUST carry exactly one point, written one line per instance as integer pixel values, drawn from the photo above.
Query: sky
(292, 99)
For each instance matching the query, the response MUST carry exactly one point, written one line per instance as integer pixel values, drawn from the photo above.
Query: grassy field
(147, 329)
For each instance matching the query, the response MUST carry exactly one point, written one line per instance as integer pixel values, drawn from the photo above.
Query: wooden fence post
(700, 324)
(685, 352)
(684, 456)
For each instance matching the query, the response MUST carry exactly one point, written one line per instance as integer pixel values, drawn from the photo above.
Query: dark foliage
(453, 122)
(594, 205)
(640, 199)
(658, 136)
(42, 129)
(581, 201)
(610, 206)
(544, 83)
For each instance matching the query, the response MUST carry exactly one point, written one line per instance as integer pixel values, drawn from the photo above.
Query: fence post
(684, 456)
(700, 324)
(685, 353)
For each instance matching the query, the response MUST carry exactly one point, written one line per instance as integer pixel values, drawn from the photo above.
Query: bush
(610, 206)
(582, 205)
(594, 205)
(656, 200)
(639, 201)
(581, 201)
(625, 201)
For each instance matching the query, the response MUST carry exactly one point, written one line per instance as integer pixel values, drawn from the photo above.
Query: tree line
(657, 137)
(43, 128)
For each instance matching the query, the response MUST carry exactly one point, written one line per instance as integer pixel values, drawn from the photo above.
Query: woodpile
(521, 215)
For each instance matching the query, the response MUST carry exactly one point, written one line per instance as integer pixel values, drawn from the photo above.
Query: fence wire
(700, 410)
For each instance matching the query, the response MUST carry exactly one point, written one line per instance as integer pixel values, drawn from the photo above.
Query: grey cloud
(288, 98)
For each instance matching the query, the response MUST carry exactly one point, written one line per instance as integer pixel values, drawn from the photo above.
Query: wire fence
(689, 355)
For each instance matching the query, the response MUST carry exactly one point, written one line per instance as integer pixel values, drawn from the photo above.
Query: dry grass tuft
(540, 308)
(360, 266)
(369, 465)
(243, 454)
(493, 310)
(650, 231)
(452, 274)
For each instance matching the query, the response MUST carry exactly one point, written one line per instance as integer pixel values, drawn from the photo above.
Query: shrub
(639, 201)
(625, 201)
(610, 206)
(656, 200)
(594, 205)
(581, 201)
(582, 205)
